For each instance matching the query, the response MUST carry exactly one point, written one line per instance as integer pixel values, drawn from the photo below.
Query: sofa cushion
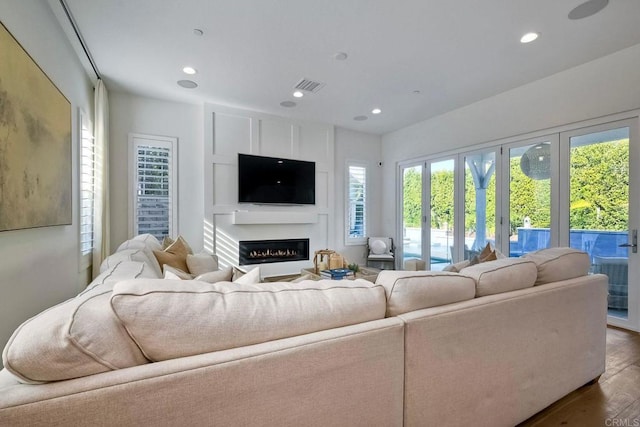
(414, 290)
(78, 337)
(556, 264)
(502, 275)
(144, 255)
(141, 241)
(170, 319)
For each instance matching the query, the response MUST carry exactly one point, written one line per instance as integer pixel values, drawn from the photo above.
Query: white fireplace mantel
(273, 217)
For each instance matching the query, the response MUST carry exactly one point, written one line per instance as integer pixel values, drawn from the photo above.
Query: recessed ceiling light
(587, 9)
(189, 70)
(298, 94)
(198, 32)
(376, 111)
(529, 37)
(288, 104)
(360, 118)
(187, 84)
(341, 56)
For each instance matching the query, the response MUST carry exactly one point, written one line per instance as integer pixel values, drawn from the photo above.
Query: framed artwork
(35, 143)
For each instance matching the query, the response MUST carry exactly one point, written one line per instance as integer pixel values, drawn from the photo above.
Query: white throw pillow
(378, 247)
(202, 263)
(223, 275)
(250, 278)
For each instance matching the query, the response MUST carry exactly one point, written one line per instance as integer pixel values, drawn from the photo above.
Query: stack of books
(337, 274)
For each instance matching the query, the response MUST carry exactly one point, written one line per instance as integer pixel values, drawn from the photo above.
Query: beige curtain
(101, 224)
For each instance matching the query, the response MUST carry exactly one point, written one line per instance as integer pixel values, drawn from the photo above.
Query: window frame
(170, 143)
(348, 239)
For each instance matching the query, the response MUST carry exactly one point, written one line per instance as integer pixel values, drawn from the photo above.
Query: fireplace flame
(268, 253)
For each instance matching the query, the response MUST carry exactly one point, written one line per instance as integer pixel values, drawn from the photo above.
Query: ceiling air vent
(309, 85)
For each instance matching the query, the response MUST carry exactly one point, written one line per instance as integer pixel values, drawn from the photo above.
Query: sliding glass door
(527, 168)
(479, 201)
(601, 209)
(441, 212)
(412, 212)
(428, 198)
(575, 188)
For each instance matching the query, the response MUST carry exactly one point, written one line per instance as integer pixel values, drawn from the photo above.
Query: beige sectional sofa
(491, 345)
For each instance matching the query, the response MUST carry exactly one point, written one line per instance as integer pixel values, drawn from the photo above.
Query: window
(87, 191)
(356, 203)
(154, 200)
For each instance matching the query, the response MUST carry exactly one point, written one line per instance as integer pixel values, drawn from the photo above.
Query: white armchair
(380, 253)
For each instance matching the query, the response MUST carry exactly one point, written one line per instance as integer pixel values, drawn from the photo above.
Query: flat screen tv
(274, 180)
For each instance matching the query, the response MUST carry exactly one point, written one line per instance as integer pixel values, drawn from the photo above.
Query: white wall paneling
(231, 131)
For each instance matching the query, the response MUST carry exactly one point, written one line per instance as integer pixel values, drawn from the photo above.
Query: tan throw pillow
(166, 242)
(175, 255)
(202, 263)
(223, 275)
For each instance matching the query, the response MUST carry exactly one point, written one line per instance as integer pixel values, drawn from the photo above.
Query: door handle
(634, 242)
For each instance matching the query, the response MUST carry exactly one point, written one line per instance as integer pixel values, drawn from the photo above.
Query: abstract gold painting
(35, 143)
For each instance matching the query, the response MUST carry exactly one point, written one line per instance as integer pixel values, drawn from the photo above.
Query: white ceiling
(253, 52)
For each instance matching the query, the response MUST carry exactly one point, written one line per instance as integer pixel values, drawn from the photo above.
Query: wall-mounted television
(274, 180)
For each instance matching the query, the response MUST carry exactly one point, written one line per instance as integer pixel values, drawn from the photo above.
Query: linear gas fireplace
(268, 251)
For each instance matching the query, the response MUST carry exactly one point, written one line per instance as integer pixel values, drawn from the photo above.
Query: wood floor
(613, 402)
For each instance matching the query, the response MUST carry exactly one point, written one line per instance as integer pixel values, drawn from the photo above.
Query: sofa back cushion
(144, 255)
(170, 319)
(141, 241)
(414, 290)
(502, 275)
(556, 264)
(78, 337)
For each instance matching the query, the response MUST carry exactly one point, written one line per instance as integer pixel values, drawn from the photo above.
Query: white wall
(40, 267)
(367, 149)
(599, 88)
(136, 114)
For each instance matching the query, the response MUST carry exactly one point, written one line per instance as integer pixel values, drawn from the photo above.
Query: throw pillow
(202, 263)
(250, 278)
(176, 273)
(175, 255)
(237, 273)
(378, 247)
(166, 242)
(223, 275)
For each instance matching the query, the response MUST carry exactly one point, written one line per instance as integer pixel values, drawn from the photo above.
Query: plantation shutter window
(356, 204)
(154, 198)
(87, 192)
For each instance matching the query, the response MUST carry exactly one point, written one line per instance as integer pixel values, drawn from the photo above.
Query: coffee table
(366, 273)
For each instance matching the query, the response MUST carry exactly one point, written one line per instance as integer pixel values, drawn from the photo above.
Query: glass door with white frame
(441, 213)
(412, 215)
(601, 213)
(528, 171)
(479, 201)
